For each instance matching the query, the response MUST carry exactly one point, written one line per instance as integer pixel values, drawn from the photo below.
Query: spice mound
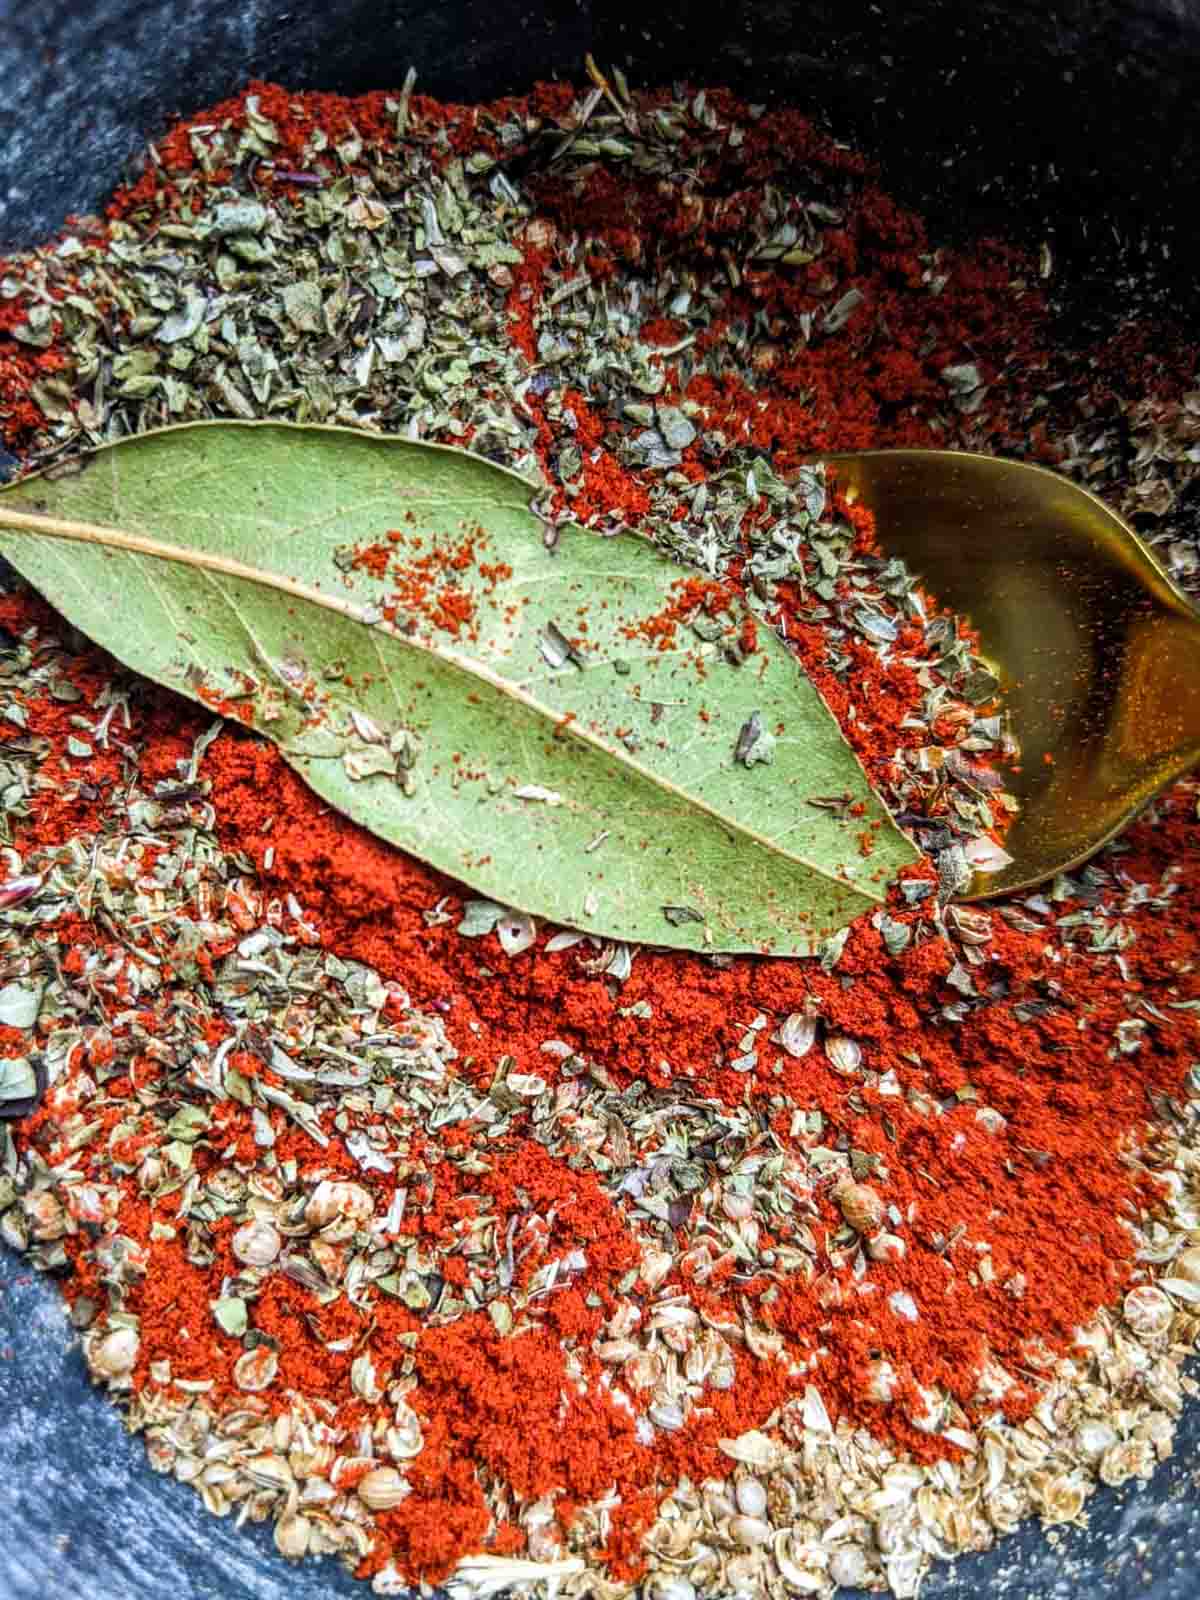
(470, 1249)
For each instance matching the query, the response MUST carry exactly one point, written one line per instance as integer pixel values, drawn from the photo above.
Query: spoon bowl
(1096, 652)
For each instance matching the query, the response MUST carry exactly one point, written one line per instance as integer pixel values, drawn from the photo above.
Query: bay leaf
(211, 557)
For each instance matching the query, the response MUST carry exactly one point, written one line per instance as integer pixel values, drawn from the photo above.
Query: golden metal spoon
(1097, 652)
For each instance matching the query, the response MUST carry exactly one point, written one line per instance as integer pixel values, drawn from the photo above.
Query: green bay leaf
(592, 785)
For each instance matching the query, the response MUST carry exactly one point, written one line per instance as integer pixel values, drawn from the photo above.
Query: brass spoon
(1096, 651)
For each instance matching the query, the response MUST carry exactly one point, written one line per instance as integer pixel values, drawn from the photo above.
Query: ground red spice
(1055, 1169)
(1061, 1093)
(606, 485)
(524, 298)
(688, 597)
(429, 585)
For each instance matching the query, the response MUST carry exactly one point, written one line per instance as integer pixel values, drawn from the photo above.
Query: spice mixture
(470, 1249)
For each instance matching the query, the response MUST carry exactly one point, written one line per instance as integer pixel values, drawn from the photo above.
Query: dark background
(1072, 123)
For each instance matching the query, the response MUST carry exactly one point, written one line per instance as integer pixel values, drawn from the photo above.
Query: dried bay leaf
(211, 558)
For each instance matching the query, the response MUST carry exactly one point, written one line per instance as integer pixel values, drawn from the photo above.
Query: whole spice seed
(473, 1237)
